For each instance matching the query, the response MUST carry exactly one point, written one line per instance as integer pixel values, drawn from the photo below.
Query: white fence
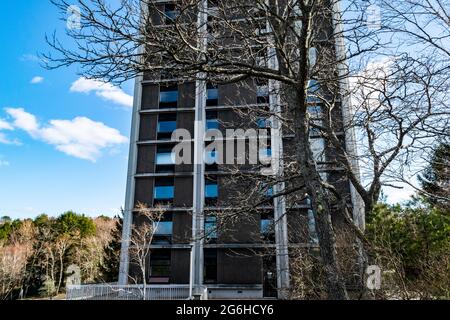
(129, 292)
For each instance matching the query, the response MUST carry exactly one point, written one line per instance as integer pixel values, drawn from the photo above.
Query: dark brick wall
(238, 266)
(147, 128)
(180, 266)
(144, 191)
(244, 229)
(237, 93)
(146, 159)
(182, 228)
(186, 97)
(150, 97)
(183, 192)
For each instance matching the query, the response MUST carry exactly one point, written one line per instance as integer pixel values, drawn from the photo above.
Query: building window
(211, 191)
(313, 91)
(318, 149)
(211, 160)
(167, 124)
(171, 13)
(315, 111)
(312, 57)
(160, 262)
(213, 29)
(267, 227)
(211, 229)
(262, 91)
(313, 237)
(168, 97)
(263, 123)
(212, 95)
(210, 263)
(164, 230)
(211, 157)
(164, 190)
(267, 193)
(265, 155)
(165, 159)
(262, 58)
(212, 122)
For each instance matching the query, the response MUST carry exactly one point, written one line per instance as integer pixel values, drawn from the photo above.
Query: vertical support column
(199, 164)
(281, 232)
(199, 184)
(347, 114)
(129, 197)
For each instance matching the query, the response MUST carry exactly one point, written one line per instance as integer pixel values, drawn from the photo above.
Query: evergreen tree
(110, 266)
(435, 181)
(73, 223)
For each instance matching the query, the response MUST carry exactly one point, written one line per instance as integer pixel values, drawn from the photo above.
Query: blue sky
(48, 122)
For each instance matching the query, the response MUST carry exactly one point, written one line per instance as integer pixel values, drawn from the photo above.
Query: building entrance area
(270, 277)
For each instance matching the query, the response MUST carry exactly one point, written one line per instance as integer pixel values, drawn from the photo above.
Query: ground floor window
(210, 269)
(160, 262)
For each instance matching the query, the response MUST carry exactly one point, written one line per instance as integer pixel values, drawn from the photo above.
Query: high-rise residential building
(247, 258)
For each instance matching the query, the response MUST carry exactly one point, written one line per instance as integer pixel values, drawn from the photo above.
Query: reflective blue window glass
(263, 123)
(212, 124)
(315, 109)
(269, 192)
(262, 91)
(211, 191)
(164, 192)
(313, 89)
(164, 228)
(211, 227)
(168, 96)
(211, 157)
(266, 226)
(213, 94)
(265, 153)
(165, 158)
(167, 126)
(172, 15)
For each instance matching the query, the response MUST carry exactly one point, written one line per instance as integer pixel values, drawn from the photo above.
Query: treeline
(411, 245)
(35, 254)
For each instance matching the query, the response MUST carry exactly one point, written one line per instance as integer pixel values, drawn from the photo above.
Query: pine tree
(110, 266)
(435, 181)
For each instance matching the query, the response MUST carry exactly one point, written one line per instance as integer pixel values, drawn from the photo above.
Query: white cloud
(3, 138)
(37, 80)
(23, 120)
(104, 90)
(395, 195)
(5, 125)
(80, 137)
(369, 82)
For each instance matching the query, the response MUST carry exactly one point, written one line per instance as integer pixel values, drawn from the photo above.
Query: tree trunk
(61, 272)
(320, 199)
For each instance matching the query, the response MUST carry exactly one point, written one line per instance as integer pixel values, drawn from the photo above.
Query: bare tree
(13, 256)
(142, 234)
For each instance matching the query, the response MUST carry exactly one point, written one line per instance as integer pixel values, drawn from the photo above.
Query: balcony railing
(129, 292)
